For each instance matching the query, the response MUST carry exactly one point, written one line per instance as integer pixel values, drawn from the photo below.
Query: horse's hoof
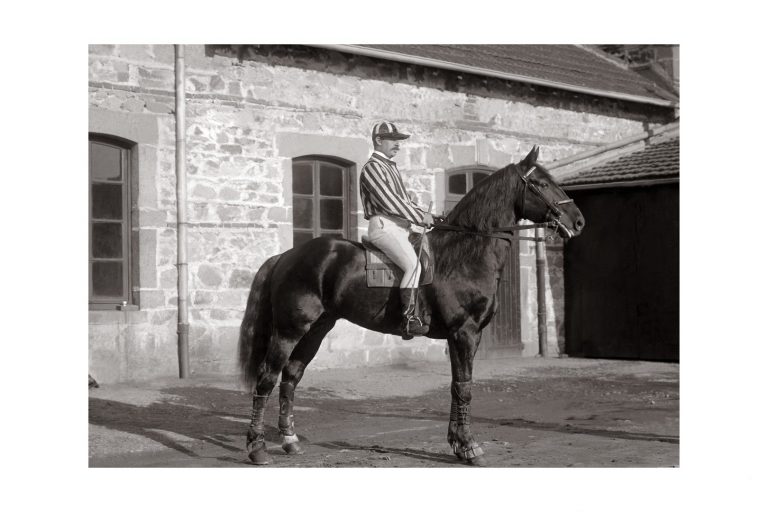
(478, 461)
(472, 454)
(259, 456)
(293, 448)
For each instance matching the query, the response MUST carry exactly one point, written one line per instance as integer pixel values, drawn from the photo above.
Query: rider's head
(386, 138)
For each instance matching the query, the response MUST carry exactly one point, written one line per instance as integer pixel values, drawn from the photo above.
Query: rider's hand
(428, 220)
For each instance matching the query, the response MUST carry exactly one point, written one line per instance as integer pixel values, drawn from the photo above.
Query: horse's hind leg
(276, 358)
(292, 373)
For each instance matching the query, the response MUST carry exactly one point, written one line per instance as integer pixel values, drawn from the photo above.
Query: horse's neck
(499, 212)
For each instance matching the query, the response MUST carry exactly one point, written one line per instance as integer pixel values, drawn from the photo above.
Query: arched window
(109, 221)
(321, 198)
(462, 180)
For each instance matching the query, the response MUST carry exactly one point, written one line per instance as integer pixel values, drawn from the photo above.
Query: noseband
(554, 212)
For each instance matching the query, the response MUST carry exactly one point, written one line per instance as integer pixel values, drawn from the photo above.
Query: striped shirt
(383, 192)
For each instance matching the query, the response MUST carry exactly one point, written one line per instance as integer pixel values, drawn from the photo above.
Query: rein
(507, 232)
(503, 233)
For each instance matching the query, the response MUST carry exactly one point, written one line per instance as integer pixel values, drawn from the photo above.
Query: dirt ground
(525, 413)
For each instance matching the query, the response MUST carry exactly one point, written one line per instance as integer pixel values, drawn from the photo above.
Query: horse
(296, 298)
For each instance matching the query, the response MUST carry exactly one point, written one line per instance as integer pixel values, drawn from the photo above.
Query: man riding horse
(391, 213)
(297, 296)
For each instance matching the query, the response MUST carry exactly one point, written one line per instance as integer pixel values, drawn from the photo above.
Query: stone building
(275, 139)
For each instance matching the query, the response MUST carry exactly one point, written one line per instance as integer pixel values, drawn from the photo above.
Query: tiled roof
(562, 64)
(657, 161)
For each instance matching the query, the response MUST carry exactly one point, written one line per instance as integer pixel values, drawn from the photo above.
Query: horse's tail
(256, 329)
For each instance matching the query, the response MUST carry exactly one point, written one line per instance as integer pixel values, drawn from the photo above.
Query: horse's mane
(479, 210)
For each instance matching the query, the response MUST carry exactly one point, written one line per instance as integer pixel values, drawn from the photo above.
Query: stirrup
(413, 325)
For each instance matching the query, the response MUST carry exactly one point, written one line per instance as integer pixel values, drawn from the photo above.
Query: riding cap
(387, 130)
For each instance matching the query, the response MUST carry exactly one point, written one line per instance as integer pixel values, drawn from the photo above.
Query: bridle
(554, 211)
(552, 220)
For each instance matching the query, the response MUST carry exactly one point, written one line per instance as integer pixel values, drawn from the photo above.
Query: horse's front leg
(462, 346)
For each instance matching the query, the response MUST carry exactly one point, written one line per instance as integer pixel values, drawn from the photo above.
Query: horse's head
(542, 199)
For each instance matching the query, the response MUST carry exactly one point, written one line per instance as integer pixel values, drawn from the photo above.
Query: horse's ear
(532, 157)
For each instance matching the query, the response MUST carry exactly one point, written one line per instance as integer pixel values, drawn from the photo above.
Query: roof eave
(622, 184)
(436, 63)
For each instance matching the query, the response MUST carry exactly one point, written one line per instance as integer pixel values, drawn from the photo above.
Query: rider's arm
(384, 196)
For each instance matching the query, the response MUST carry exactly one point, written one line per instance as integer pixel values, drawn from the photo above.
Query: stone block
(101, 49)
(210, 276)
(241, 278)
(225, 338)
(232, 299)
(105, 365)
(285, 237)
(438, 157)
(196, 84)
(217, 84)
(163, 317)
(133, 105)
(482, 152)
(164, 53)
(113, 102)
(462, 155)
(228, 213)
(159, 107)
(156, 78)
(151, 299)
(201, 344)
(267, 199)
(498, 159)
(135, 317)
(255, 213)
(229, 194)
(153, 218)
(203, 192)
(280, 214)
(290, 145)
(415, 158)
(148, 258)
(138, 52)
(225, 315)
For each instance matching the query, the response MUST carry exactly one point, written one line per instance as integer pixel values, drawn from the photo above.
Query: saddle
(382, 272)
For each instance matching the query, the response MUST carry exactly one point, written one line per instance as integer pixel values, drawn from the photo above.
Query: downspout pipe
(181, 216)
(541, 291)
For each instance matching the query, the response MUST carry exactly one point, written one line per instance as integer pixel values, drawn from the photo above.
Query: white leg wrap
(290, 439)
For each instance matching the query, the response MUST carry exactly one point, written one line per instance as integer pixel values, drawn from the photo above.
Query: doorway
(501, 338)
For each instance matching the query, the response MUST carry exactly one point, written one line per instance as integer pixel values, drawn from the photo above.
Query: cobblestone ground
(525, 413)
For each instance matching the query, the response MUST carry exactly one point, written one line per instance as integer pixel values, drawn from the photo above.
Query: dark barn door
(502, 336)
(622, 275)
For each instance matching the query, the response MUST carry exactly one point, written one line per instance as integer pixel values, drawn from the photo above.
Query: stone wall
(248, 114)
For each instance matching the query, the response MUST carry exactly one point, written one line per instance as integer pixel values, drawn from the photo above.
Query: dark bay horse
(297, 297)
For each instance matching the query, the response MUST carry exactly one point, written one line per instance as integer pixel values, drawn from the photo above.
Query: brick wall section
(246, 117)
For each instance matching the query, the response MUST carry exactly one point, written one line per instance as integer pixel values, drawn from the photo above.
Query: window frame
(467, 170)
(129, 225)
(347, 171)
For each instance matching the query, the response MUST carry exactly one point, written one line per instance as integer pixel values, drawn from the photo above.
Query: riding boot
(412, 324)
